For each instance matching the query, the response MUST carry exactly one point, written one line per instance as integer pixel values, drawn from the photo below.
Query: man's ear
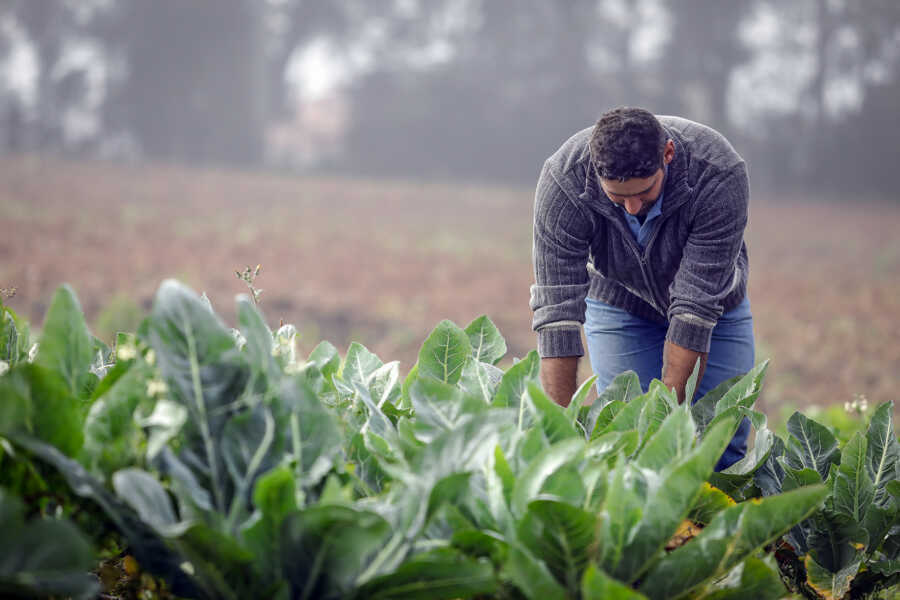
(669, 152)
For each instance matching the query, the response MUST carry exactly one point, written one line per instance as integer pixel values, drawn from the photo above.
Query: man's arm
(678, 364)
(559, 378)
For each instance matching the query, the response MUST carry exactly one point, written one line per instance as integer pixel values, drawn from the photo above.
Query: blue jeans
(619, 341)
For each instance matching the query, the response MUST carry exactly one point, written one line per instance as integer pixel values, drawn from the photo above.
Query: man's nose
(633, 205)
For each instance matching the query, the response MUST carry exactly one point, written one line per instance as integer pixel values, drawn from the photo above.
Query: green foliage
(234, 469)
(120, 313)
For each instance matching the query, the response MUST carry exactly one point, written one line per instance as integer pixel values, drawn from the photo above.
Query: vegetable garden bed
(223, 465)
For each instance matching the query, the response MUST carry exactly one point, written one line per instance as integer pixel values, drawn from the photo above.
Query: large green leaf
(540, 468)
(515, 381)
(153, 554)
(438, 574)
(882, 451)
(573, 410)
(531, 576)
(552, 417)
(143, 492)
(480, 380)
(810, 445)
(670, 443)
(835, 540)
(204, 370)
(830, 584)
(249, 448)
(745, 391)
(42, 557)
(327, 547)
(112, 437)
(563, 536)
(440, 406)
(314, 439)
(704, 409)
(66, 346)
(625, 387)
(359, 365)
(626, 419)
(38, 402)
(732, 536)
(668, 503)
(487, 344)
(445, 352)
(258, 349)
(853, 490)
(597, 585)
(753, 579)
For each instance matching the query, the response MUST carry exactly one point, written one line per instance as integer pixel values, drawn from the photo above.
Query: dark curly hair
(627, 142)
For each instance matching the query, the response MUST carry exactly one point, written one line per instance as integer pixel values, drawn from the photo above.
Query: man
(638, 237)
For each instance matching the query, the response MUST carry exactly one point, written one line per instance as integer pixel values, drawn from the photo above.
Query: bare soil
(381, 262)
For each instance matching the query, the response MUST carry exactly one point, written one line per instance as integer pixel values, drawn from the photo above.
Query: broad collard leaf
(552, 418)
(882, 451)
(769, 476)
(204, 371)
(444, 353)
(66, 346)
(113, 438)
(314, 439)
(442, 573)
(625, 387)
(753, 579)
(326, 359)
(810, 445)
(49, 557)
(745, 391)
(326, 548)
(573, 410)
(153, 554)
(359, 365)
(732, 536)
(439, 406)
(531, 576)
(143, 492)
(704, 409)
(626, 419)
(540, 468)
(563, 536)
(515, 381)
(853, 490)
(835, 540)
(488, 345)
(249, 447)
(481, 380)
(830, 584)
(708, 504)
(597, 585)
(37, 401)
(258, 349)
(606, 417)
(668, 503)
(670, 443)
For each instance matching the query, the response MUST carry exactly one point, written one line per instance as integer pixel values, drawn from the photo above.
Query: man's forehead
(629, 187)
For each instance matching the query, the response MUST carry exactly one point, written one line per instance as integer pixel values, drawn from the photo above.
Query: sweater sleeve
(562, 234)
(708, 271)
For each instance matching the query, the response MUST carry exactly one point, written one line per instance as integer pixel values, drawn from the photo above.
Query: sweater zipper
(645, 265)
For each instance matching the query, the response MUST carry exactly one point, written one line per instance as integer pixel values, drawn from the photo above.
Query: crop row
(228, 467)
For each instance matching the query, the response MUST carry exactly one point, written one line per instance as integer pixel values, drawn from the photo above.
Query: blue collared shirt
(642, 232)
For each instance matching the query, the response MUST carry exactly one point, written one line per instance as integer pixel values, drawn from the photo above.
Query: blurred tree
(196, 78)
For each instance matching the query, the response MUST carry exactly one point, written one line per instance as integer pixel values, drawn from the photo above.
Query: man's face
(638, 194)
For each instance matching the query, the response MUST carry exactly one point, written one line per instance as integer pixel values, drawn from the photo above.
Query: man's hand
(678, 364)
(559, 377)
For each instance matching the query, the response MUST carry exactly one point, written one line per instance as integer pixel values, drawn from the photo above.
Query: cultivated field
(381, 262)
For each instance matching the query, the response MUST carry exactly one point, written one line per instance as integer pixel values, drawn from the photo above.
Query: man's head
(629, 150)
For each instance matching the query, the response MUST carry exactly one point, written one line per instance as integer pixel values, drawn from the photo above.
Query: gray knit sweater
(694, 266)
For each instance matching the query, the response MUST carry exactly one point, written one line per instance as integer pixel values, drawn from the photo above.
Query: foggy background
(807, 90)
(379, 157)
